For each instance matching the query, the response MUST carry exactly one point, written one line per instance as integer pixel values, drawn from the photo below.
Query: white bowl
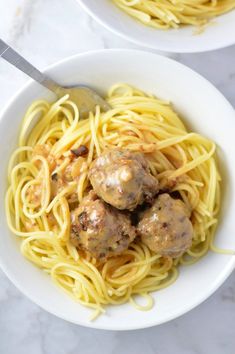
(205, 110)
(218, 35)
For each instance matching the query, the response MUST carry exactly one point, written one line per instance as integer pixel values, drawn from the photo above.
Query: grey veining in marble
(46, 31)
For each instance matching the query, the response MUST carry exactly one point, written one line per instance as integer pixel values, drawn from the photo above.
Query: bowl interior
(205, 110)
(217, 35)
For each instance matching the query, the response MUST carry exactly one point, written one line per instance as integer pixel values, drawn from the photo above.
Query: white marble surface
(45, 31)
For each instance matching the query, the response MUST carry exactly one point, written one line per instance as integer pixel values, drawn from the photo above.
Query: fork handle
(14, 58)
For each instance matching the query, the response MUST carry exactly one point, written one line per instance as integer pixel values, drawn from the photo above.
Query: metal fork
(85, 98)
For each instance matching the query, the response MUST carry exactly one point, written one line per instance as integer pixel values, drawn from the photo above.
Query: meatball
(166, 228)
(122, 178)
(100, 229)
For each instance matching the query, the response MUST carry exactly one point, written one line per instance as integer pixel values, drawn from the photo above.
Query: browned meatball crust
(122, 178)
(100, 229)
(166, 228)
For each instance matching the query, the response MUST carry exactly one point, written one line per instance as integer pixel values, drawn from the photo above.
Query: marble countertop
(45, 31)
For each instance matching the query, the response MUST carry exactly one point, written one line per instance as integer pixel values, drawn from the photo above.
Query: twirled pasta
(165, 14)
(139, 122)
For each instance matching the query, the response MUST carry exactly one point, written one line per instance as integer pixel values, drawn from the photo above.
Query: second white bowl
(183, 40)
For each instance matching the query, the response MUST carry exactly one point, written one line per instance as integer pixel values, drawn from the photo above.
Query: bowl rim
(226, 42)
(223, 275)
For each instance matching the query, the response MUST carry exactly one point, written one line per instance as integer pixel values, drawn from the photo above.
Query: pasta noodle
(182, 161)
(165, 14)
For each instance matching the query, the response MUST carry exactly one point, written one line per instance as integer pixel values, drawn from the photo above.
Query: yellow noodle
(136, 121)
(165, 14)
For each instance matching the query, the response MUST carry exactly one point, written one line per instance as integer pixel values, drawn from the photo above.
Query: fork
(85, 98)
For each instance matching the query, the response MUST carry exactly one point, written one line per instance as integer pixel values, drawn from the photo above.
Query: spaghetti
(182, 161)
(165, 14)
